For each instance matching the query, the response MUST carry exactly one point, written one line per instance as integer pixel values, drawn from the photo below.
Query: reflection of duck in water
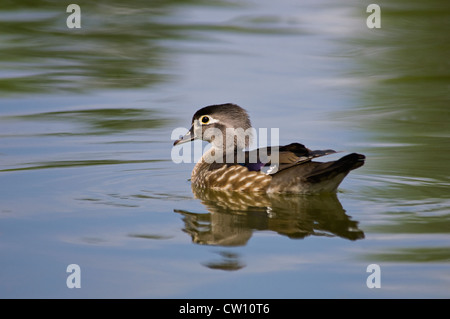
(233, 216)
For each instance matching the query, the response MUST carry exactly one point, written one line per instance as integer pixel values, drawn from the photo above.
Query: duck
(229, 165)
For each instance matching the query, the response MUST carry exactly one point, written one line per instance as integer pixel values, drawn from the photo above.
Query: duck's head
(224, 125)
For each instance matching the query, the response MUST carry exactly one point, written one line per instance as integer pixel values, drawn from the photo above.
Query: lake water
(87, 178)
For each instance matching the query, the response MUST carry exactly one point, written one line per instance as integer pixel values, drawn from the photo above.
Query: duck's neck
(232, 140)
(219, 156)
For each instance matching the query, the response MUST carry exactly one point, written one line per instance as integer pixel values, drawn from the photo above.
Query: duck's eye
(204, 119)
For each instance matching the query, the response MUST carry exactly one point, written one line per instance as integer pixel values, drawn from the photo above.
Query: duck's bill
(189, 136)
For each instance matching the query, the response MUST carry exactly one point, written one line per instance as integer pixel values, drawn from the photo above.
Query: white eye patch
(204, 120)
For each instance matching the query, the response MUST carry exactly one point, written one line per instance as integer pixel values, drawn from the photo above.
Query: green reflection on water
(116, 47)
(406, 99)
(62, 164)
(119, 45)
(104, 121)
(100, 122)
(404, 105)
(419, 254)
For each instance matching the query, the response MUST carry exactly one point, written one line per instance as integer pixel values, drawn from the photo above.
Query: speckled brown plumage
(229, 177)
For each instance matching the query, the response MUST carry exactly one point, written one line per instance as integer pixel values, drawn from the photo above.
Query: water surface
(86, 175)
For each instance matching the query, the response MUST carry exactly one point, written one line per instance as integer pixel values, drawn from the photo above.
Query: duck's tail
(331, 169)
(315, 177)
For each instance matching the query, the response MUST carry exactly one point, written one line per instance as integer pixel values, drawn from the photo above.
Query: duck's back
(304, 177)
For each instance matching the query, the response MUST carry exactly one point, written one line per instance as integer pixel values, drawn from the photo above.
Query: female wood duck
(227, 166)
